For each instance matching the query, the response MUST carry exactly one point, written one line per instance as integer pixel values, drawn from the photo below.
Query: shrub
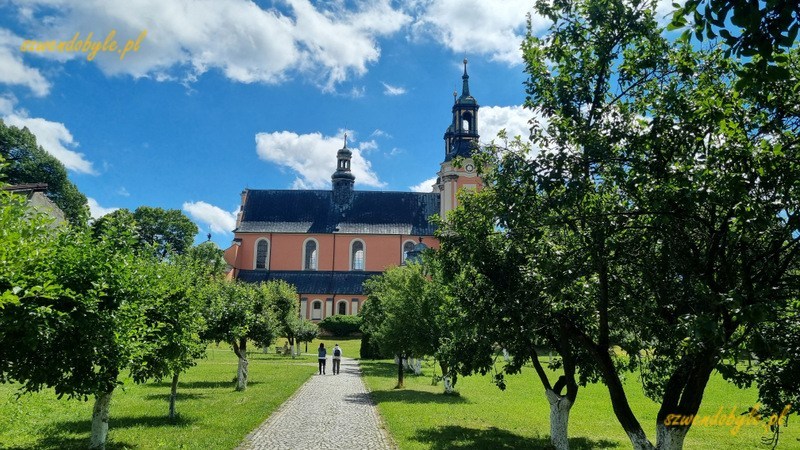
(341, 325)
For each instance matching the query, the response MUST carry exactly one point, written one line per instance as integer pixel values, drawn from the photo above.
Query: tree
(169, 230)
(175, 323)
(30, 163)
(74, 317)
(306, 331)
(283, 298)
(497, 299)
(401, 313)
(668, 199)
(237, 312)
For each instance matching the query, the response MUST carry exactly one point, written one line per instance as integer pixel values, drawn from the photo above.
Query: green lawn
(212, 415)
(482, 416)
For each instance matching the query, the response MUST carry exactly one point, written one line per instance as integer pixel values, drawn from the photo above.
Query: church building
(328, 242)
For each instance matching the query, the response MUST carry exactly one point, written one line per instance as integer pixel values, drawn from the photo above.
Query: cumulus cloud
(217, 219)
(425, 186)
(14, 71)
(513, 118)
(491, 27)
(245, 42)
(96, 210)
(313, 158)
(388, 89)
(54, 137)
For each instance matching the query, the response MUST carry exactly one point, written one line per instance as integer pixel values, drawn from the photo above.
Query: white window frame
(403, 255)
(340, 302)
(314, 303)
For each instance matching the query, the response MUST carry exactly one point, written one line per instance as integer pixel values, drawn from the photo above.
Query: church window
(341, 307)
(310, 255)
(316, 310)
(357, 255)
(407, 247)
(262, 254)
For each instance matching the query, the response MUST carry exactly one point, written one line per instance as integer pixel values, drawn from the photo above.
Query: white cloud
(313, 157)
(123, 192)
(388, 89)
(247, 43)
(490, 27)
(96, 210)
(14, 71)
(54, 137)
(513, 118)
(217, 219)
(425, 186)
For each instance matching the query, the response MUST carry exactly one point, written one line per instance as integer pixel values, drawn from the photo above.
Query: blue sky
(227, 94)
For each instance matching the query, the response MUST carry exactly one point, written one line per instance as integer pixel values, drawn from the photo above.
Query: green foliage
(765, 29)
(370, 349)
(30, 163)
(401, 313)
(341, 325)
(169, 230)
(306, 331)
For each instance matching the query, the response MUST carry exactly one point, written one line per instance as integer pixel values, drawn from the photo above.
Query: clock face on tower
(470, 168)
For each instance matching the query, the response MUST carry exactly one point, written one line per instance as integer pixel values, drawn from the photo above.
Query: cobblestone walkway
(328, 412)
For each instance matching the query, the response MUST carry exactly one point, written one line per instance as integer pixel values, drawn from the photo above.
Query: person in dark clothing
(322, 353)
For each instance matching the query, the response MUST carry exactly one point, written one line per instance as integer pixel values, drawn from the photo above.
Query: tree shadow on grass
(66, 443)
(227, 384)
(85, 426)
(181, 396)
(456, 437)
(412, 396)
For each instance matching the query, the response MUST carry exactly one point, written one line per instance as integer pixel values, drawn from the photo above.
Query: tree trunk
(559, 419)
(670, 437)
(241, 372)
(173, 395)
(100, 421)
(400, 371)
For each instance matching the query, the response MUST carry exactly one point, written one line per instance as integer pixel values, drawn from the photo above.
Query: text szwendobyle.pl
(87, 45)
(732, 419)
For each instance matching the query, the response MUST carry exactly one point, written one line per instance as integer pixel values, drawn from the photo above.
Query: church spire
(465, 81)
(343, 179)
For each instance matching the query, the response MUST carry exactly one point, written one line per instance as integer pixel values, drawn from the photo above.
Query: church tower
(343, 179)
(460, 139)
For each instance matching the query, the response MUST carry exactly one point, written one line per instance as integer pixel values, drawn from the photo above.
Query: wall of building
(286, 250)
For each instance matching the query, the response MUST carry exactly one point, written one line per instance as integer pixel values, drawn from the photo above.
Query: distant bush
(341, 325)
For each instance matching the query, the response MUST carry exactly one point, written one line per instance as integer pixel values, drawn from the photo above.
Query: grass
(211, 414)
(482, 416)
(351, 346)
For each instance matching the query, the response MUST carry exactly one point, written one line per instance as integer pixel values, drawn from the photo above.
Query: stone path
(327, 412)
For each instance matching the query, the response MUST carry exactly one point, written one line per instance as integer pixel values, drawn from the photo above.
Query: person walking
(322, 353)
(337, 359)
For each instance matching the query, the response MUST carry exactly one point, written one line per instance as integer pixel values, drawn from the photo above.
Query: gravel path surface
(327, 412)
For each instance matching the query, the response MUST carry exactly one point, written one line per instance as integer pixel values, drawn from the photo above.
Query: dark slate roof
(369, 212)
(312, 281)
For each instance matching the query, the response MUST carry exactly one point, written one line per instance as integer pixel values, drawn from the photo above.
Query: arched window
(357, 255)
(407, 247)
(310, 255)
(316, 310)
(262, 254)
(341, 307)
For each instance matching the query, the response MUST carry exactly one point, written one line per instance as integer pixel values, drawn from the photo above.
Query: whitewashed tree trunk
(100, 421)
(295, 350)
(505, 355)
(416, 366)
(670, 438)
(640, 441)
(448, 386)
(241, 374)
(559, 419)
(173, 395)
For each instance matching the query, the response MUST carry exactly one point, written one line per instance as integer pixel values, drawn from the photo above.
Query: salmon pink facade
(328, 242)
